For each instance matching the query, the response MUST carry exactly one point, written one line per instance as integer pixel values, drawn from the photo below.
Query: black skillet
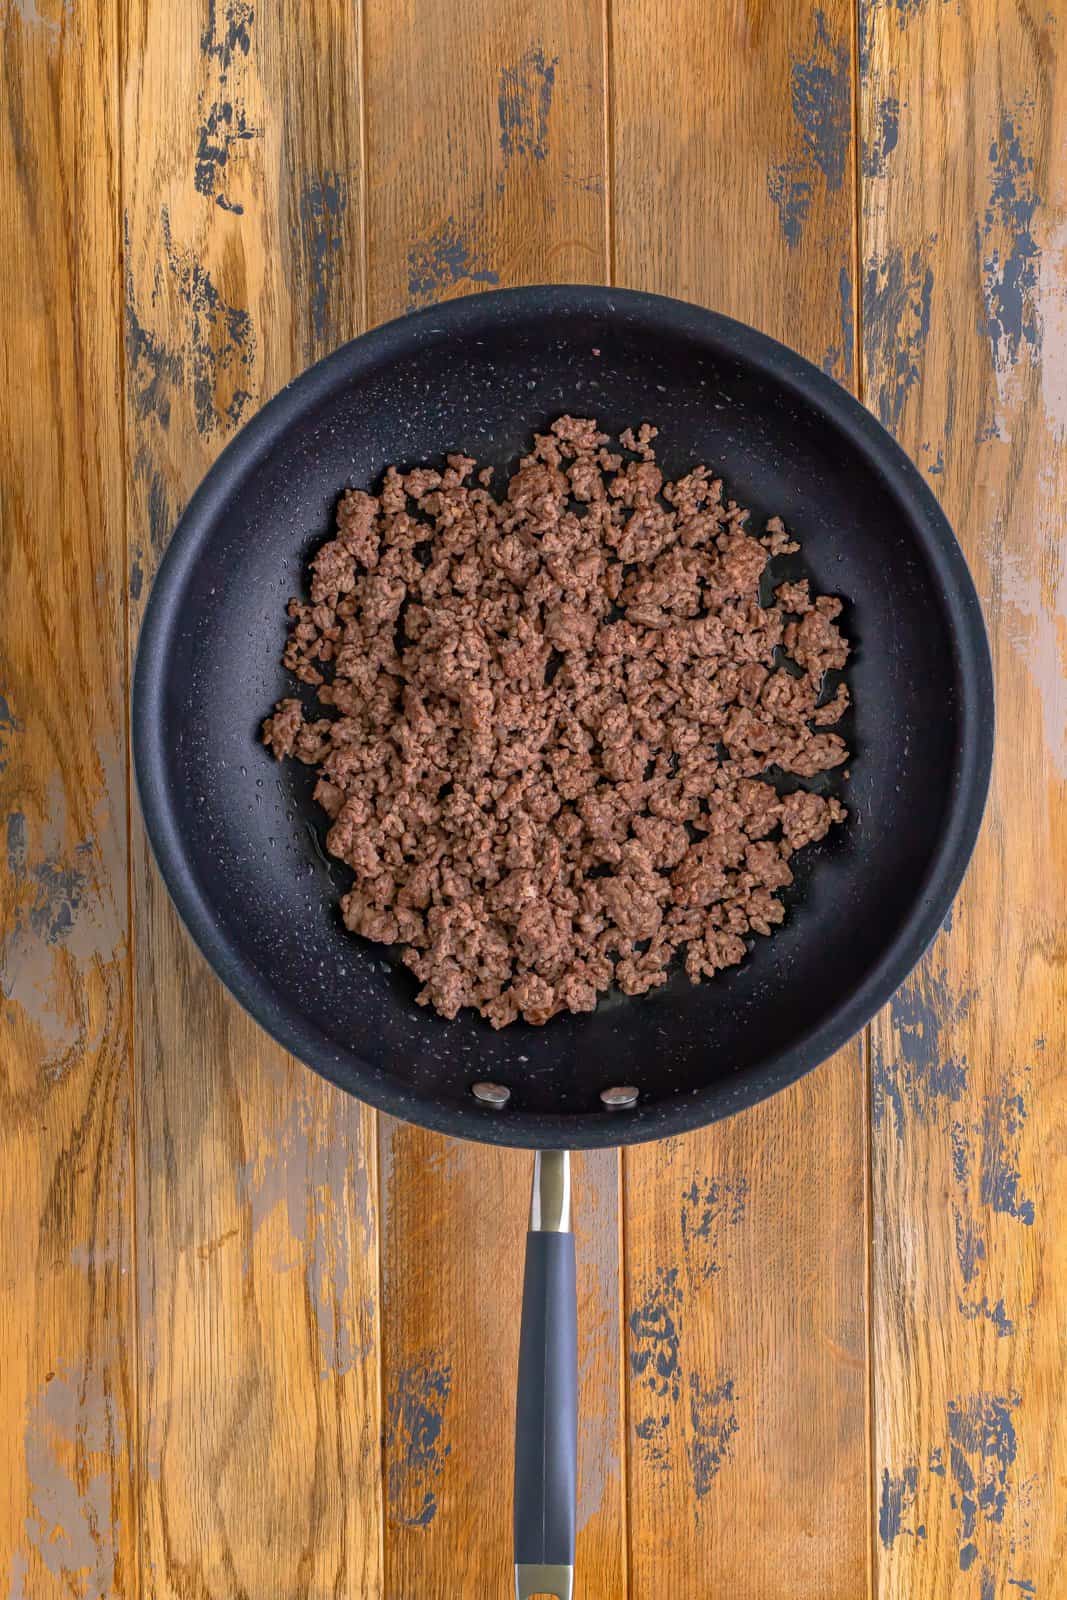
(239, 840)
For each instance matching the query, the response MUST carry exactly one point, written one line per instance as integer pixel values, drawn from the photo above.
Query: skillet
(239, 839)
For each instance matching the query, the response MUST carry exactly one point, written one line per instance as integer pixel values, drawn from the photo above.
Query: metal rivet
(491, 1094)
(619, 1099)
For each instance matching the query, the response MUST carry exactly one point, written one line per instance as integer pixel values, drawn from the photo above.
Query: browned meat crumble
(548, 720)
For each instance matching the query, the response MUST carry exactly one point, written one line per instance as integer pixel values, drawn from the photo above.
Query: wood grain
(745, 1245)
(486, 165)
(259, 1469)
(68, 1514)
(964, 297)
(206, 1391)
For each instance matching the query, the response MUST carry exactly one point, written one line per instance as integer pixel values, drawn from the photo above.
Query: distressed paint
(789, 186)
(918, 1078)
(713, 1424)
(820, 93)
(895, 1503)
(72, 1440)
(215, 357)
(839, 360)
(51, 20)
(878, 149)
(999, 1180)
(320, 240)
(897, 297)
(820, 97)
(982, 1447)
(65, 918)
(9, 726)
(598, 1282)
(323, 1185)
(711, 1207)
(225, 44)
(1008, 252)
(224, 128)
(1052, 304)
(153, 371)
(654, 1348)
(227, 33)
(443, 260)
(666, 1392)
(219, 338)
(524, 102)
(416, 1445)
(1035, 605)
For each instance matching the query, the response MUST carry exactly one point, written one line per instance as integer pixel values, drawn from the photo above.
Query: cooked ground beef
(548, 721)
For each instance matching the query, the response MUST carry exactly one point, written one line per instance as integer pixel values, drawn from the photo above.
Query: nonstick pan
(239, 839)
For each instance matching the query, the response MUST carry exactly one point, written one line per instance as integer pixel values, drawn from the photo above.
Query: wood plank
(68, 1519)
(260, 1449)
(485, 140)
(964, 295)
(745, 1254)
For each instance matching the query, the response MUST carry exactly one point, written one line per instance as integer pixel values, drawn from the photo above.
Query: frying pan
(239, 840)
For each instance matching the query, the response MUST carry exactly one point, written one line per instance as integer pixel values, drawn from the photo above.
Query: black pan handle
(546, 1416)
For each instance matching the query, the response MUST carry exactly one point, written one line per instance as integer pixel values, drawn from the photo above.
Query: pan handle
(546, 1416)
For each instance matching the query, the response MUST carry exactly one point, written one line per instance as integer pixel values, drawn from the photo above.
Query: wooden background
(823, 1344)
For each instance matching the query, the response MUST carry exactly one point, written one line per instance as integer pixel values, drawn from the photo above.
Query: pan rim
(932, 900)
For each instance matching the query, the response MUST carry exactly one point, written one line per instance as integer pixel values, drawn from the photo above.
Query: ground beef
(550, 722)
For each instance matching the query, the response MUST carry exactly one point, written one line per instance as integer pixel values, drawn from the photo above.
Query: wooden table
(256, 1341)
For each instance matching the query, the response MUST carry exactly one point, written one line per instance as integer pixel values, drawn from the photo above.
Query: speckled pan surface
(239, 840)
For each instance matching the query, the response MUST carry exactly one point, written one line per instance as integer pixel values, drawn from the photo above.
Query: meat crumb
(550, 722)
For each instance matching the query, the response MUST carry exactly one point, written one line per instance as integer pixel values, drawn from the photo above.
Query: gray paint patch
(998, 1178)
(524, 100)
(919, 1076)
(597, 1250)
(713, 1423)
(1007, 249)
(416, 1450)
(29, 13)
(65, 910)
(153, 370)
(1031, 586)
(9, 725)
(789, 186)
(224, 128)
(654, 1352)
(838, 361)
(884, 139)
(705, 1426)
(320, 241)
(975, 1310)
(72, 1525)
(442, 260)
(227, 35)
(16, 846)
(970, 1245)
(820, 93)
(320, 1179)
(981, 1450)
(219, 337)
(984, 1158)
(897, 295)
(710, 1207)
(895, 1504)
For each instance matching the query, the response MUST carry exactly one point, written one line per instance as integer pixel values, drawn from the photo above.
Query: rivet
(491, 1094)
(621, 1098)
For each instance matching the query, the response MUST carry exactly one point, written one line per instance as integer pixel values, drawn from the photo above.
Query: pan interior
(250, 839)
